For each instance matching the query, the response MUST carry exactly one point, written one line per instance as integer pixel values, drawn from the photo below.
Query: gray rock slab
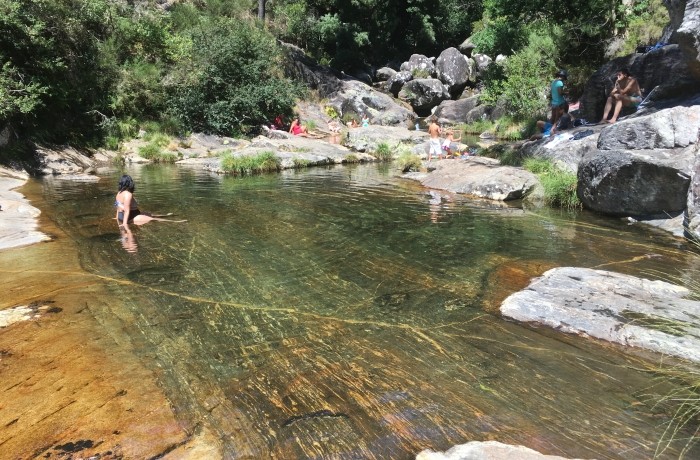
(565, 152)
(676, 127)
(367, 139)
(692, 217)
(481, 177)
(486, 450)
(67, 160)
(654, 315)
(18, 219)
(635, 182)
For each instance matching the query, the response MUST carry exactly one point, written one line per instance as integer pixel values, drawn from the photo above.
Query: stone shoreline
(18, 219)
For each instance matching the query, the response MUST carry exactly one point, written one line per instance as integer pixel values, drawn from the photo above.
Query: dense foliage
(95, 71)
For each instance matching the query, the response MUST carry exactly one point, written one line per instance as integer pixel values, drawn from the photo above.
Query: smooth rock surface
(481, 177)
(18, 219)
(654, 315)
(486, 450)
(367, 139)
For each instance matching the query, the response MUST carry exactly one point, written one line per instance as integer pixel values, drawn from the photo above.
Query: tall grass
(250, 164)
(383, 152)
(559, 185)
(408, 161)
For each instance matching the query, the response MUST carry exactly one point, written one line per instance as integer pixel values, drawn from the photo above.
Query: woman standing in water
(128, 209)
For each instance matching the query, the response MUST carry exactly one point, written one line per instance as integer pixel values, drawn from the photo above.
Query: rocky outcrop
(368, 139)
(423, 94)
(482, 63)
(63, 160)
(691, 222)
(420, 66)
(299, 66)
(635, 183)
(18, 219)
(456, 111)
(654, 315)
(480, 177)
(564, 151)
(688, 36)
(665, 129)
(357, 98)
(486, 450)
(666, 68)
(396, 81)
(384, 73)
(453, 69)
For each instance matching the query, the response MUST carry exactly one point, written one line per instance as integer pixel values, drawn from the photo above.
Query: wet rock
(654, 315)
(18, 219)
(487, 450)
(481, 177)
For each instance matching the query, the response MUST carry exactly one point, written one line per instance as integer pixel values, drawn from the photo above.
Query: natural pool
(347, 313)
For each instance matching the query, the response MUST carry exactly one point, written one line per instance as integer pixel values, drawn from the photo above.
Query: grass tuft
(409, 161)
(383, 152)
(559, 185)
(250, 164)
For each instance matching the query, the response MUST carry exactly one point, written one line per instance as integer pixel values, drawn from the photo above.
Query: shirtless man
(435, 147)
(625, 93)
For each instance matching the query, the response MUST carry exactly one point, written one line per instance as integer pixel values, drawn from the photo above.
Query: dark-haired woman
(128, 209)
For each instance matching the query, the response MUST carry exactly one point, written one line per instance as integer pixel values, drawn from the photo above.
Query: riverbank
(18, 221)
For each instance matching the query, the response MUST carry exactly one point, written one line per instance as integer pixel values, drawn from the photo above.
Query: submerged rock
(487, 450)
(654, 315)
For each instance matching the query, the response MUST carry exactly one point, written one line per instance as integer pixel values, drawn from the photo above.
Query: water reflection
(322, 314)
(128, 240)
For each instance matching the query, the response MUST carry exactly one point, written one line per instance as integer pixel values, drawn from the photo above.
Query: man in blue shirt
(558, 101)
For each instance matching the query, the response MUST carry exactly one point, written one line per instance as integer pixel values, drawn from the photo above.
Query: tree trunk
(261, 9)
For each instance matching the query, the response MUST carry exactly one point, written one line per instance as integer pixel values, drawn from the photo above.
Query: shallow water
(347, 313)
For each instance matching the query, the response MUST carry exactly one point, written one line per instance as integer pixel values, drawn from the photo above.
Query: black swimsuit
(132, 214)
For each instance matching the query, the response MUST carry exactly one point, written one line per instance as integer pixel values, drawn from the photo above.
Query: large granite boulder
(453, 69)
(654, 315)
(53, 161)
(486, 450)
(482, 62)
(456, 111)
(357, 98)
(666, 68)
(420, 66)
(481, 177)
(565, 151)
(692, 215)
(423, 94)
(384, 73)
(635, 183)
(299, 66)
(688, 35)
(467, 47)
(396, 81)
(666, 129)
(368, 139)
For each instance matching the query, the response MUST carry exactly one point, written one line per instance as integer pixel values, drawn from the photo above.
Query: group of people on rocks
(448, 147)
(626, 92)
(334, 126)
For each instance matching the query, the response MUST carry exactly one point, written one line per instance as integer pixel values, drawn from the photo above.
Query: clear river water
(347, 313)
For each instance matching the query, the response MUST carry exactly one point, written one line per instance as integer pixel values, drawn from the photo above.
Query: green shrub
(409, 161)
(479, 126)
(250, 164)
(301, 163)
(559, 185)
(154, 152)
(383, 152)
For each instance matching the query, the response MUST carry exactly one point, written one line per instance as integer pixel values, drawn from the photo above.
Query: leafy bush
(559, 185)
(527, 74)
(250, 164)
(233, 84)
(644, 22)
(383, 152)
(409, 161)
(154, 152)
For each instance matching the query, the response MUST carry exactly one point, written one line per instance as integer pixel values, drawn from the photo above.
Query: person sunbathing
(626, 93)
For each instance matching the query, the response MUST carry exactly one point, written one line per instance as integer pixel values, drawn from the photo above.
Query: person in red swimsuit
(297, 128)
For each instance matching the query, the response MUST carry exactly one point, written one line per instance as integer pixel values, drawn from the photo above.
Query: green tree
(232, 83)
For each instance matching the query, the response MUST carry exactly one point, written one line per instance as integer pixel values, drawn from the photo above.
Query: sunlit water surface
(348, 313)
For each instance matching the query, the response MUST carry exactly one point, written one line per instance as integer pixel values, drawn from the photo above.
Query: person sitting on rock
(297, 128)
(546, 129)
(626, 93)
(364, 121)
